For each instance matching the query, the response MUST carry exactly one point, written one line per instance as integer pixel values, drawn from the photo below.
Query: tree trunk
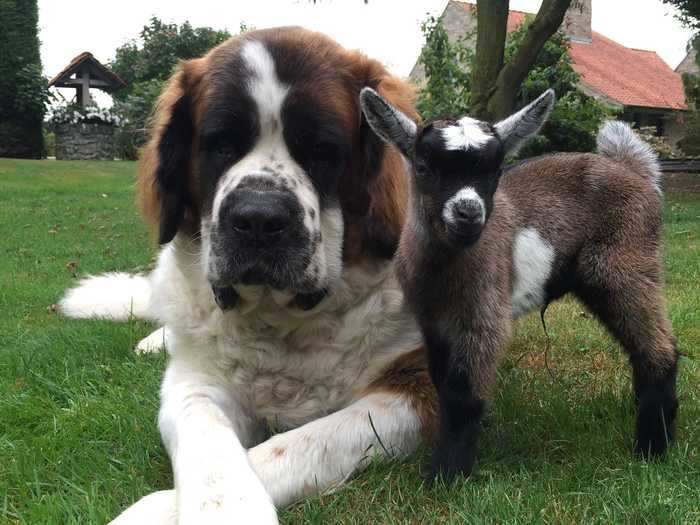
(494, 94)
(492, 21)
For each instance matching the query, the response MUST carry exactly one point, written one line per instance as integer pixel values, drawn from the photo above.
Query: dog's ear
(381, 174)
(164, 185)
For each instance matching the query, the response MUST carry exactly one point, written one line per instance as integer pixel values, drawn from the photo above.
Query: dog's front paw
(252, 507)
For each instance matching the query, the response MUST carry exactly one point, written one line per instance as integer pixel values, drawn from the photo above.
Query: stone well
(85, 141)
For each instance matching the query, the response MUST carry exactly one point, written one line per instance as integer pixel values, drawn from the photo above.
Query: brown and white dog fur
(482, 247)
(279, 211)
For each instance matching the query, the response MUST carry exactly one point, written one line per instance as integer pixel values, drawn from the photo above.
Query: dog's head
(261, 151)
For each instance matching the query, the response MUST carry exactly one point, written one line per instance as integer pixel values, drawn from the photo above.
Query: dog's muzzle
(260, 238)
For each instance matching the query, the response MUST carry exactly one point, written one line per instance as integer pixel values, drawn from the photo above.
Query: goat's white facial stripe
(467, 196)
(466, 134)
(533, 257)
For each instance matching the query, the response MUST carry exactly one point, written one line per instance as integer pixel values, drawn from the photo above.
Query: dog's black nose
(257, 215)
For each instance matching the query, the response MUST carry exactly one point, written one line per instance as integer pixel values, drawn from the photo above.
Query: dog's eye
(225, 151)
(325, 152)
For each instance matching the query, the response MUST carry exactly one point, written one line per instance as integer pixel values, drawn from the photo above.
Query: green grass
(78, 437)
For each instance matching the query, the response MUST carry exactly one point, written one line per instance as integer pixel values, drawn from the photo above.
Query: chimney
(577, 21)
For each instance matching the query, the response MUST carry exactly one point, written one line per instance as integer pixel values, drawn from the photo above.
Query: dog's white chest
(325, 363)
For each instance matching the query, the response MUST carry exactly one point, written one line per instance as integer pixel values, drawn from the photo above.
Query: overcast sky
(385, 29)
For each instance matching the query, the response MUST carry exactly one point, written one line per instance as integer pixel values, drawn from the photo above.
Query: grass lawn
(78, 437)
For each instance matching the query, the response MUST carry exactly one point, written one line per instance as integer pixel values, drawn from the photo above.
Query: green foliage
(49, 142)
(145, 65)
(576, 116)
(23, 89)
(134, 112)
(690, 143)
(74, 114)
(689, 11)
(448, 82)
(160, 47)
(662, 147)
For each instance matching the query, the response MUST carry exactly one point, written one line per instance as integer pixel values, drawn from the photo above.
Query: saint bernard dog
(279, 212)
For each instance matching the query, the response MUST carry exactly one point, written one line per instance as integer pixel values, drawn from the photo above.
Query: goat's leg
(631, 305)
(462, 371)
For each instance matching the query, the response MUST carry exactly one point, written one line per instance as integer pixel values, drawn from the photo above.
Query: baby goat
(481, 247)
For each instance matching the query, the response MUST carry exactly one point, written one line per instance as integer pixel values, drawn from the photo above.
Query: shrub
(145, 65)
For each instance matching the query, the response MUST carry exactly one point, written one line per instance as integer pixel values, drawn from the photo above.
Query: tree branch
(512, 74)
(492, 22)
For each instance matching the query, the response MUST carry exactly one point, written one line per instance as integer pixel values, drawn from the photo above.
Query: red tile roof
(631, 77)
(515, 18)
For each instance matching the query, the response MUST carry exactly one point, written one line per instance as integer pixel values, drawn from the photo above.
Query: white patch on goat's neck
(466, 134)
(466, 195)
(533, 257)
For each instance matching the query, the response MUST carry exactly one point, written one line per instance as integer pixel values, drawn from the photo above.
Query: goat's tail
(618, 141)
(114, 296)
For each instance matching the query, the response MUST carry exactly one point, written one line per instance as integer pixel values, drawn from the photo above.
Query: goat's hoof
(651, 448)
(446, 472)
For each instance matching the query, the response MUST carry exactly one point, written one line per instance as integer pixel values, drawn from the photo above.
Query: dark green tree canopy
(23, 91)
(689, 11)
(158, 50)
(145, 64)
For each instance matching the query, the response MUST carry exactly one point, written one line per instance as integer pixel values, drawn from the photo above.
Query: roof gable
(632, 77)
(86, 59)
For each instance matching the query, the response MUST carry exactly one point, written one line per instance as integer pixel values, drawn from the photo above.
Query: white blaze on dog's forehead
(465, 195)
(268, 94)
(533, 257)
(467, 134)
(263, 84)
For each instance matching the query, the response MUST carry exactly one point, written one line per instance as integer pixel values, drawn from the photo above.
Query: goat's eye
(420, 165)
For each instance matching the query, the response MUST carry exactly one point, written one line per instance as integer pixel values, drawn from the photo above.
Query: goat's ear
(515, 130)
(390, 124)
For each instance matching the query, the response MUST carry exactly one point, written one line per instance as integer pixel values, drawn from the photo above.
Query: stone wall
(85, 141)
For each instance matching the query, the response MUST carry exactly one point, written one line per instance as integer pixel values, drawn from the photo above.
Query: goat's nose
(467, 212)
(257, 215)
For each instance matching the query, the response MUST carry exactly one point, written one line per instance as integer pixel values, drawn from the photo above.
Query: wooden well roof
(100, 76)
